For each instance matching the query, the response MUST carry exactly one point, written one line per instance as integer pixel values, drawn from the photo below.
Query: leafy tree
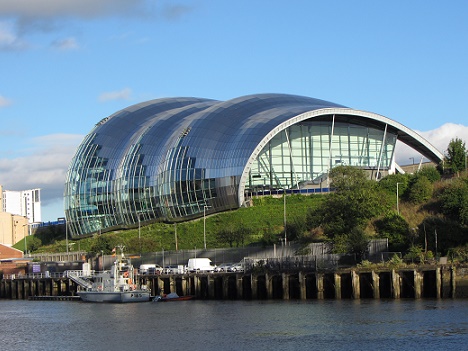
(395, 228)
(295, 228)
(102, 243)
(269, 237)
(440, 232)
(231, 235)
(415, 254)
(344, 210)
(33, 243)
(455, 157)
(242, 233)
(347, 178)
(420, 190)
(389, 183)
(226, 235)
(454, 200)
(431, 173)
(356, 242)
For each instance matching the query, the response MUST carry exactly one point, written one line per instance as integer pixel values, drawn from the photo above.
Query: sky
(66, 64)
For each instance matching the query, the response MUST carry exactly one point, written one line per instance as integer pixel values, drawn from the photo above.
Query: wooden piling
(356, 285)
(396, 285)
(376, 285)
(337, 286)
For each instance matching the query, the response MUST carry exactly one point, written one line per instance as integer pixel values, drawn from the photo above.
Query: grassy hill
(264, 221)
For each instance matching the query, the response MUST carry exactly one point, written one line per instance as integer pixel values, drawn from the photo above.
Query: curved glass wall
(301, 156)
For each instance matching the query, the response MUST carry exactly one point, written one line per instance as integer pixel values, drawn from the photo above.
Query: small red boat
(171, 297)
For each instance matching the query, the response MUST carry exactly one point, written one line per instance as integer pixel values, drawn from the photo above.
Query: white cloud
(8, 39)
(439, 138)
(46, 9)
(45, 16)
(123, 94)
(66, 44)
(4, 101)
(45, 167)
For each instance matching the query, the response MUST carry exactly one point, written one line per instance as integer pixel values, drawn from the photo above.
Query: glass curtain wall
(301, 156)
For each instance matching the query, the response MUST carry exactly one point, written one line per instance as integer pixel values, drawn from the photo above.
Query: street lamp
(66, 238)
(25, 237)
(284, 215)
(204, 224)
(397, 205)
(139, 232)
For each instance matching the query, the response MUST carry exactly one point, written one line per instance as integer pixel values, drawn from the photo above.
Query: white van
(201, 264)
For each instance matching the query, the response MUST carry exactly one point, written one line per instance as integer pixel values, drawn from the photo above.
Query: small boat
(171, 297)
(117, 285)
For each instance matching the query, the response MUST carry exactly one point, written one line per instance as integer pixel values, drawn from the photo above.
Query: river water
(236, 325)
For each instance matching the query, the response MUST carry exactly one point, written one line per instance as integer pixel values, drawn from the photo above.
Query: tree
(431, 173)
(227, 235)
(33, 243)
(456, 155)
(231, 235)
(352, 205)
(420, 190)
(395, 228)
(389, 183)
(356, 242)
(347, 178)
(101, 243)
(454, 200)
(295, 228)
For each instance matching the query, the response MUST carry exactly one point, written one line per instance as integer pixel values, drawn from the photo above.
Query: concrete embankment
(441, 281)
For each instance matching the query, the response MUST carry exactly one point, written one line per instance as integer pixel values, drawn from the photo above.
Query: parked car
(174, 269)
(236, 267)
(150, 268)
(223, 267)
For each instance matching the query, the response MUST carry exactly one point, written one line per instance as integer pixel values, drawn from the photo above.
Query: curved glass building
(172, 159)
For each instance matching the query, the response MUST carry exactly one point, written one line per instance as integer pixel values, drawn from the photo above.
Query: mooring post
(438, 282)
(337, 278)
(239, 286)
(196, 285)
(161, 286)
(417, 284)
(254, 284)
(355, 285)
(184, 285)
(225, 286)
(269, 286)
(376, 285)
(285, 277)
(396, 284)
(319, 284)
(453, 281)
(302, 286)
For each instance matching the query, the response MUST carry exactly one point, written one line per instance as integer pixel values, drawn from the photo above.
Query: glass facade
(301, 156)
(167, 159)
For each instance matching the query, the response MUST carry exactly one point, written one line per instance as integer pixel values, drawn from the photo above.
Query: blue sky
(67, 64)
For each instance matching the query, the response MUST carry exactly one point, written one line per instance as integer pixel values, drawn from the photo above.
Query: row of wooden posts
(439, 282)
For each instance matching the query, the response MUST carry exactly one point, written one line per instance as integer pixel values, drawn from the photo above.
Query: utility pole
(397, 197)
